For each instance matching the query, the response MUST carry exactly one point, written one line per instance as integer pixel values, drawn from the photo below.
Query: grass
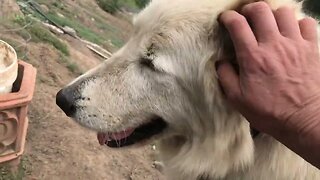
(19, 174)
(142, 3)
(64, 15)
(18, 45)
(57, 6)
(72, 67)
(82, 30)
(117, 42)
(111, 32)
(112, 6)
(128, 4)
(101, 36)
(19, 48)
(108, 31)
(40, 34)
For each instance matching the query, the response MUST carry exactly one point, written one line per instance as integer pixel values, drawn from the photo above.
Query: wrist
(305, 119)
(301, 131)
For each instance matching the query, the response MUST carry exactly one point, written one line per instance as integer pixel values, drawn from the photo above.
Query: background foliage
(313, 6)
(112, 6)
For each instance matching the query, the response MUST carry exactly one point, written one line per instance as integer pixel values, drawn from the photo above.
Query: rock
(70, 31)
(53, 29)
(44, 8)
(60, 15)
(9, 8)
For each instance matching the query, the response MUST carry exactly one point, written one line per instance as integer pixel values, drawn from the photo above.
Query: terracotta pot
(13, 114)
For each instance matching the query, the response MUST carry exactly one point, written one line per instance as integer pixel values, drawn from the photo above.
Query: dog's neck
(229, 150)
(225, 139)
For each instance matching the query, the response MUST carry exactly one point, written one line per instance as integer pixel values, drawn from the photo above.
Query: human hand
(278, 85)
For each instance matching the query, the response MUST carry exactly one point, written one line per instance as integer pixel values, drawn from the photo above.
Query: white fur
(206, 138)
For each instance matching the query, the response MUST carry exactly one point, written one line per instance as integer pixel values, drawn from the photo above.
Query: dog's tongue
(103, 138)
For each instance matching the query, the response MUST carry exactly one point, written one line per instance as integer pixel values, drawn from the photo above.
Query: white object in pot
(8, 67)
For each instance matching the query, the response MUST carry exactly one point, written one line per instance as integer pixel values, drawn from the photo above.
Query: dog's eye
(149, 56)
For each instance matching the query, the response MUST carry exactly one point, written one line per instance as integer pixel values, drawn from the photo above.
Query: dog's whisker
(125, 135)
(114, 137)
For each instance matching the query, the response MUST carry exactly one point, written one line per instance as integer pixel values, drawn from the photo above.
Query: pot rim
(25, 94)
(15, 61)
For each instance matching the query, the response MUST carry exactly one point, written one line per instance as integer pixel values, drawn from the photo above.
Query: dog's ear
(219, 36)
(224, 49)
(222, 45)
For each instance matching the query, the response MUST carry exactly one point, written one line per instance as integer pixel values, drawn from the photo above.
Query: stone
(44, 8)
(70, 31)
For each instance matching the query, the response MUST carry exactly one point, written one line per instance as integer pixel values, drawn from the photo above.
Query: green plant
(129, 5)
(40, 34)
(19, 47)
(7, 174)
(19, 18)
(117, 42)
(142, 3)
(312, 6)
(110, 6)
(82, 30)
(58, 4)
(72, 67)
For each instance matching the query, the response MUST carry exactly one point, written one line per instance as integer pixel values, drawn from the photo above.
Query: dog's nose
(65, 100)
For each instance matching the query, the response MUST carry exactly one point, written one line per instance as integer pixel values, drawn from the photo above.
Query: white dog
(162, 85)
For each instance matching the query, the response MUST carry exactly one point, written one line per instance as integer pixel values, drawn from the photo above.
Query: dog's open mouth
(133, 135)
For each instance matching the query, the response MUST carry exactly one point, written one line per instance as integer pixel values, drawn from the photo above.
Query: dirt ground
(59, 149)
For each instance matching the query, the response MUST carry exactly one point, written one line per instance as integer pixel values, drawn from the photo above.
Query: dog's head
(162, 83)
(153, 84)
(162, 80)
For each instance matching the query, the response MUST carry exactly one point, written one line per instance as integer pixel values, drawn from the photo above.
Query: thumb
(229, 80)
